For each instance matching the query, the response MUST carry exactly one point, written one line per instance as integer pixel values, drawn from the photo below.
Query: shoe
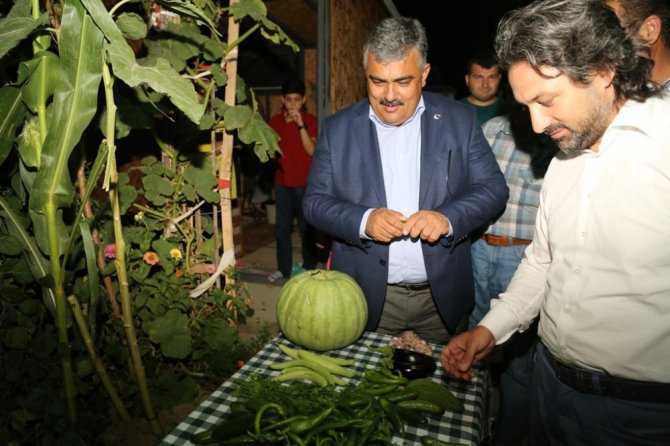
(275, 276)
(296, 269)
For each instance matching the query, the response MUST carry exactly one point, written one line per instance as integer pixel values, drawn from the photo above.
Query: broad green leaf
(220, 336)
(163, 248)
(130, 113)
(21, 8)
(9, 245)
(161, 77)
(132, 26)
(172, 333)
(12, 111)
(255, 9)
(74, 104)
(92, 269)
(157, 184)
(37, 264)
(176, 52)
(259, 133)
(237, 117)
(128, 195)
(189, 192)
(204, 182)
(44, 72)
(14, 30)
(241, 92)
(188, 9)
(219, 76)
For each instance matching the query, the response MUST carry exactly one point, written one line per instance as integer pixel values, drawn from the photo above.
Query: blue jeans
(289, 206)
(493, 268)
(561, 415)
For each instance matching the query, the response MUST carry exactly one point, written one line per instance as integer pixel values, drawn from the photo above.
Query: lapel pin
(437, 116)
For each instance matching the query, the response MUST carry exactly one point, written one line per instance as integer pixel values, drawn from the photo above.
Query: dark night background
(457, 29)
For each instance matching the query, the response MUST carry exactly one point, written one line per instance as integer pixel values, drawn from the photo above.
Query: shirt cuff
(500, 321)
(364, 223)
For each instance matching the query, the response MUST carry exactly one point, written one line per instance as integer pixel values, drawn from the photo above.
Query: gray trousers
(408, 309)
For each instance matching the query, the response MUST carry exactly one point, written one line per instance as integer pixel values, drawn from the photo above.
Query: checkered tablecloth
(467, 428)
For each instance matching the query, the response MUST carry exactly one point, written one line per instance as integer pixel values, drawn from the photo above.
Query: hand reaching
(462, 351)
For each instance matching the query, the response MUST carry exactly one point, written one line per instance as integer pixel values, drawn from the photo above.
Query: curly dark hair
(579, 38)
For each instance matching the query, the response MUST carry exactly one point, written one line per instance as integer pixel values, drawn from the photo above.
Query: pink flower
(110, 251)
(210, 268)
(151, 257)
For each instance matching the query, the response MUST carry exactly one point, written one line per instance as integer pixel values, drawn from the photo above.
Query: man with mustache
(597, 270)
(400, 180)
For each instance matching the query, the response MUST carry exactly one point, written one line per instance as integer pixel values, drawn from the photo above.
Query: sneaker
(275, 276)
(296, 269)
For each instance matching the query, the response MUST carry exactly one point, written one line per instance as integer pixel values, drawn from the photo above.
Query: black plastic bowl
(413, 365)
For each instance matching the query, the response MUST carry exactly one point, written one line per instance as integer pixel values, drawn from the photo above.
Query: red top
(294, 162)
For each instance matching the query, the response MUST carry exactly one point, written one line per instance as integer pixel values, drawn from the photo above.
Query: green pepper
(379, 389)
(393, 416)
(401, 395)
(413, 417)
(338, 425)
(379, 377)
(262, 410)
(301, 426)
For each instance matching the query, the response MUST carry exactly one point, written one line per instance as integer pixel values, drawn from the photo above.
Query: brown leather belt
(497, 240)
(598, 383)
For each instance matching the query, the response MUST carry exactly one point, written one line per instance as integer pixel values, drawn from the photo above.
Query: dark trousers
(560, 415)
(289, 206)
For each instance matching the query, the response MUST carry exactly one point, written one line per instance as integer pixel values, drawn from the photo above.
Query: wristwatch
(304, 126)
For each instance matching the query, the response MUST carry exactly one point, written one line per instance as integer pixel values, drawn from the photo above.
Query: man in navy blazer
(400, 180)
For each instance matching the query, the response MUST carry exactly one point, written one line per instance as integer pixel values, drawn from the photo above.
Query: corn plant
(72, 87)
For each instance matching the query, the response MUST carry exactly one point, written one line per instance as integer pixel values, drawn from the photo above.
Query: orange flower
(151, 258)
(178, 273)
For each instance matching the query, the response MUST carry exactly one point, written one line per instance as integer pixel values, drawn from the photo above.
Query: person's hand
(462, 351)
(385, 225)
(294, 115)
(427, 225)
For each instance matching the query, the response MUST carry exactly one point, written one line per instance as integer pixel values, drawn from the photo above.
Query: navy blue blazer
(459, 178)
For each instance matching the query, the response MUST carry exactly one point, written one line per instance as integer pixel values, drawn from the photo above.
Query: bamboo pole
(225, 164)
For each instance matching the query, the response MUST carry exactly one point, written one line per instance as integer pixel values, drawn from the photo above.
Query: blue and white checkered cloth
(467, 428)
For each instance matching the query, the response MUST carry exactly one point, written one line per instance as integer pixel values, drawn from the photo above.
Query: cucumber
(436, 393)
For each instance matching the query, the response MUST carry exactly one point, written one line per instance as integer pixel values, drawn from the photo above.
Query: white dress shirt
(598, 270)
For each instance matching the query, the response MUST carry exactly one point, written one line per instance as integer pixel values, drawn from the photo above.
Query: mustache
(553, 128)
(394, 103)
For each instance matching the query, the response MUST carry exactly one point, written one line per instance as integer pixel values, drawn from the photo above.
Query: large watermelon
(322, 310)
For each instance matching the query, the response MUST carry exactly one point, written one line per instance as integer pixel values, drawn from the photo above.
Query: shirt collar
(634, 115)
